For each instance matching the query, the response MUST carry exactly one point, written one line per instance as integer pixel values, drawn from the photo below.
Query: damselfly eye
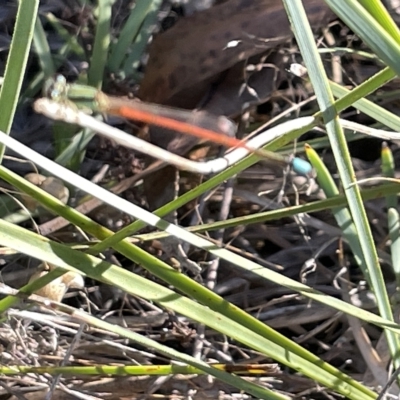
(55, 88)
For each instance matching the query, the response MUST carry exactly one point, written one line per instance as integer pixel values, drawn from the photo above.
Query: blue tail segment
(302, 167)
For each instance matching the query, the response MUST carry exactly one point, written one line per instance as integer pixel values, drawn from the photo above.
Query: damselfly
(217, 129)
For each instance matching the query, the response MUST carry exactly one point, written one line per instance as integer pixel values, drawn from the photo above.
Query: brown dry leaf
(197, 48)
(56, 289)
(208, 52)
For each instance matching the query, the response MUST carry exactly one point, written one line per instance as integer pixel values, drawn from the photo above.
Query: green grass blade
(388, 170)
(101, 44)
(126, 370)
(127, 34)
(325, 100)
(351, 98)
(377, 10)
(16, 63)
(342, 214)
(170, 275)
(43, 49)
(369, 29)
(133, 60)
(71, 44)
(66, 258)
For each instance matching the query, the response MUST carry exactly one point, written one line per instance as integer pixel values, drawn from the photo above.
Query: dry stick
(62, 111)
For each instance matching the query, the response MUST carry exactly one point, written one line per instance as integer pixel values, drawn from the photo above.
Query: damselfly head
(55, 88)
